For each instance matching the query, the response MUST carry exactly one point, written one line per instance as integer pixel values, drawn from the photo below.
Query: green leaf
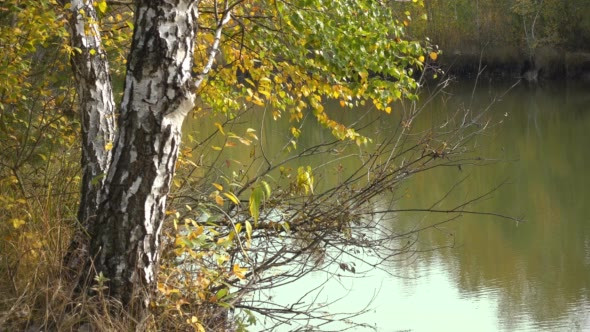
(221, 293)
(266, 187)
(251, 317)
(95, 180)
(254, 203)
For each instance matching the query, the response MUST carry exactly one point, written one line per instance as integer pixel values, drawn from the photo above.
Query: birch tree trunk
(122, 210)
(97, 118)
(157, 98)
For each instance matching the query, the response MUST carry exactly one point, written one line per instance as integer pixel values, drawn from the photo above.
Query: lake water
(490, 274)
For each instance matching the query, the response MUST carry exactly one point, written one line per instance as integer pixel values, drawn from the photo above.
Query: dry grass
(34, 297)
(37, 225)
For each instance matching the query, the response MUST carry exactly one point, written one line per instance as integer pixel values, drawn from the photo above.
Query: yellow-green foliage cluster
(295, 56)
(39, 168)
(289, 56)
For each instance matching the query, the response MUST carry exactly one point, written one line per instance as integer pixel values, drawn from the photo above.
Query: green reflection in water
(537, 270)
(541, 267)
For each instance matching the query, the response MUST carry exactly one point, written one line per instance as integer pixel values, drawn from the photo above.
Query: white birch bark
(158, 96)
(97, 118)
(95, 96)
(124, 215)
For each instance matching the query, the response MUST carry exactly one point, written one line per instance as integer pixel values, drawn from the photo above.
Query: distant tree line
(523, 34)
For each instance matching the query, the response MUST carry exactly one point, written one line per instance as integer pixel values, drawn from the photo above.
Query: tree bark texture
(125, 236)
(97, 107)
(97, 118)
(124, 227)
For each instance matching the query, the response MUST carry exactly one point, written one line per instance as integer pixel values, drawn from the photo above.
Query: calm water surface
(497, 275)
(501, 275)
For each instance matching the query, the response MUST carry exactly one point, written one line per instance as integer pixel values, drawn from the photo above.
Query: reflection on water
(538, 269)
(497, 275)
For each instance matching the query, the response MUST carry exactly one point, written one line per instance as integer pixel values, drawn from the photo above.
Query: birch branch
(214, 49)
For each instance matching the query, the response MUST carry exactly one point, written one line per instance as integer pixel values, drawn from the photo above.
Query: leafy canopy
(294, 56)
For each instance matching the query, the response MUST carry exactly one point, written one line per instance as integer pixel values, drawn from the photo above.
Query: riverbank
(503, 63)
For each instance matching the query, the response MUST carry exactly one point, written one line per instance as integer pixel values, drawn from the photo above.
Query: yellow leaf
(218, 125)
(239, 271)
(248, 229)
(232, 198)
(363, 74)
(253, 135)
(218, 186)
(433, 56)
(387, 109)
(219, 200)
(102, 6)
(286, 226)
(199, 230)
(108, 146)
(264, 92)
(305, 90)
(256, 100)
(244, 140)
(16, 223)
(196, 324)
(305, 179)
